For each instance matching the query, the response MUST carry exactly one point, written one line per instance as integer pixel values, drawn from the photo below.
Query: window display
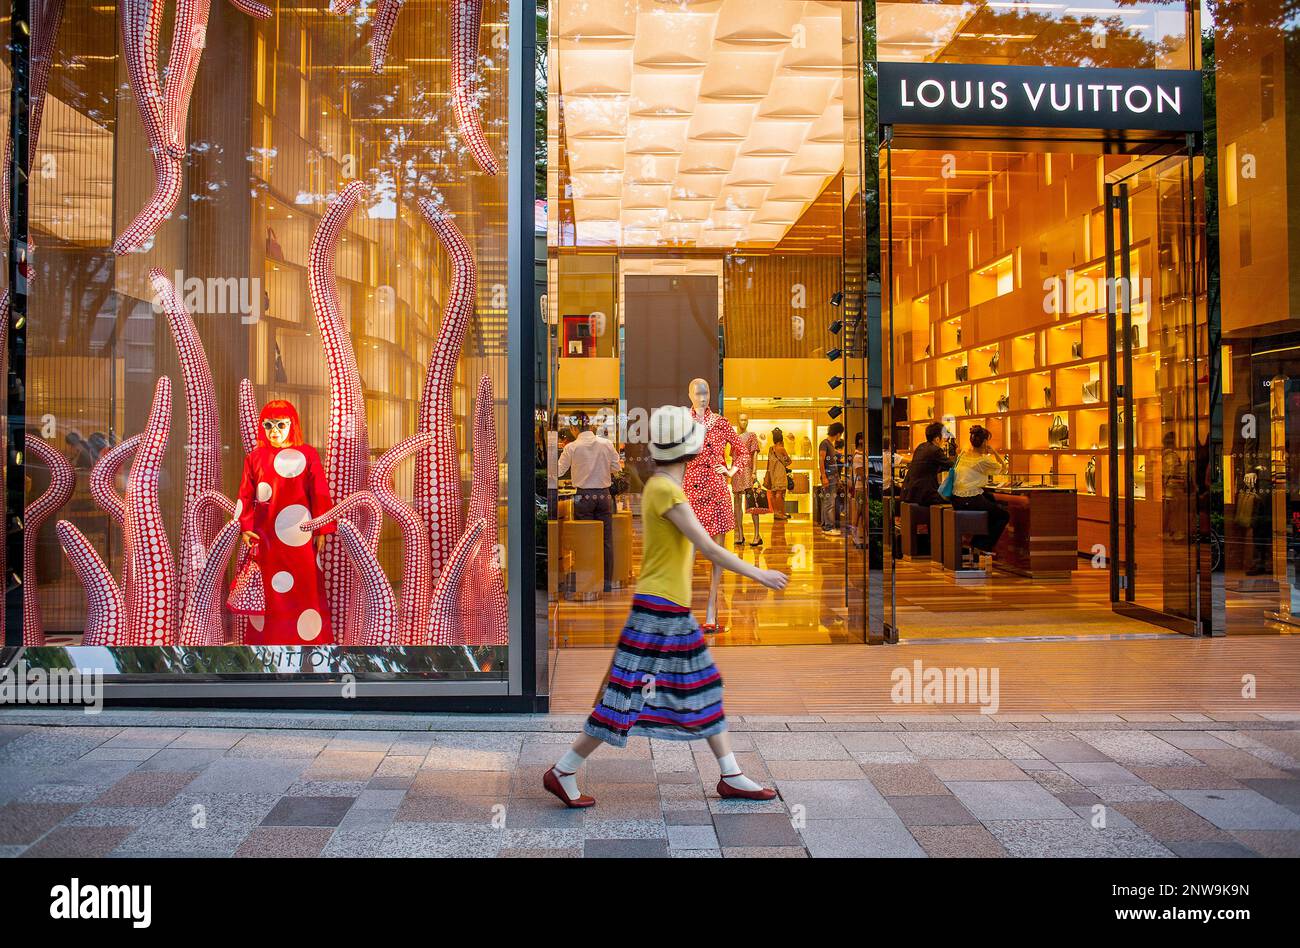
(262, 246)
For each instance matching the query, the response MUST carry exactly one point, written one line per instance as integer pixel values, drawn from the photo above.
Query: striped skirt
(662, 682)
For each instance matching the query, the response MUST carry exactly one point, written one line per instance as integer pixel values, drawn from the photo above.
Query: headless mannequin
(737, 495)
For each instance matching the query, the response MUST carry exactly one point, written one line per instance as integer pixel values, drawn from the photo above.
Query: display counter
(1041, 540)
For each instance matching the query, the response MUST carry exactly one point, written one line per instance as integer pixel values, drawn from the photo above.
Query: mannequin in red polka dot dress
(284, 485)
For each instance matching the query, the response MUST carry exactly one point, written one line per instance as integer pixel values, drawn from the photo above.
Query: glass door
(1156, 436)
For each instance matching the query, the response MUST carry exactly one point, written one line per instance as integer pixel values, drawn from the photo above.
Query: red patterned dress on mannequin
(706, 486)
(284, 485)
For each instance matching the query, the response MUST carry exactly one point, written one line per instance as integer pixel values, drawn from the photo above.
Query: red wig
(279, 408)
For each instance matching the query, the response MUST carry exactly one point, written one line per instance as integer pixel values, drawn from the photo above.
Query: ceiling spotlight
(834, 381)
(835, 411)
(836, 326)
(837, 298)
(833, 355)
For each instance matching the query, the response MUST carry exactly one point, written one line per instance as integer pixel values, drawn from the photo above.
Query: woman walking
(662, 682)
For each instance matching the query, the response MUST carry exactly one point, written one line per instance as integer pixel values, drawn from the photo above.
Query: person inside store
(745, 463)
(661, 642)
(929, 462)
(829, 464)
(971, 476)
(858, 490)
(594, 461)
(777, 480)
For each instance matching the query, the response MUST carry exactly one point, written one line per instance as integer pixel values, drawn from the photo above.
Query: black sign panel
(1040, 96)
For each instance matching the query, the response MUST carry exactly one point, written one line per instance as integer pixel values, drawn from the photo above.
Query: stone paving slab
(241, 784)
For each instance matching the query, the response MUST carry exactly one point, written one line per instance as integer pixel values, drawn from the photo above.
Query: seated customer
(970, 478)
(929, 460)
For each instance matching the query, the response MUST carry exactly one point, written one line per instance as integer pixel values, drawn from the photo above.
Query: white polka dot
(239, 508)
(263, 491)
(309, 625)
(282, 581)
(286, 525)
(257, 622)
(290, 462)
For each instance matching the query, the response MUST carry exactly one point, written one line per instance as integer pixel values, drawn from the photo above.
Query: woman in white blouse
(970, 478)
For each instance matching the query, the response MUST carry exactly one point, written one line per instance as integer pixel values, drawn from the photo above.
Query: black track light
(833, 355)
(835, 381)
(837, 298)
(836, 326)
(835, 411)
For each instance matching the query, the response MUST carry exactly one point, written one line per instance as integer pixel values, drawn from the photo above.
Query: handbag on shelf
(1047, 396)
(966, 404)
(995, 362)
(963, 373)
(273, 249)
(1090, 475)
(1076, 350)
(1092, 391)
(1004, 403)
(1058, 433)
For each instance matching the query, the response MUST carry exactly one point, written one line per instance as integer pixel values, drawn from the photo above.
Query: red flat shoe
(713, 628)
(552, 783)
(728, 792)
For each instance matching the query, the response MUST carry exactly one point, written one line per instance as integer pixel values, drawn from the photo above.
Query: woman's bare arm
(684, 519)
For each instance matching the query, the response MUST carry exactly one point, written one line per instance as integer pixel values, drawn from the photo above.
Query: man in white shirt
(593, 461)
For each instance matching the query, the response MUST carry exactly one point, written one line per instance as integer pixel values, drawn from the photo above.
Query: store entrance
(1044, 327)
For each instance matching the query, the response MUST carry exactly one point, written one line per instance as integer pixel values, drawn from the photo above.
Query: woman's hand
(772, 579)
(249, 538)
(318, 541)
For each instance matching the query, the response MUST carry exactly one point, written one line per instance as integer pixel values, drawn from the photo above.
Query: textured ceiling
(697, 123)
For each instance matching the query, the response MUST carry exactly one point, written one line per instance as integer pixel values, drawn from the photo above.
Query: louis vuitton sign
(1040, 96)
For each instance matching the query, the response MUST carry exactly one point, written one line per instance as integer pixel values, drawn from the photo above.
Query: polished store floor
(812, 610)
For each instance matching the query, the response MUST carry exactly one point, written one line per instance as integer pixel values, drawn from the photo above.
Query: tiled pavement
(249, 784)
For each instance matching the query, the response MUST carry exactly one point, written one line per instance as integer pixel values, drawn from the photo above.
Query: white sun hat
(674, 434)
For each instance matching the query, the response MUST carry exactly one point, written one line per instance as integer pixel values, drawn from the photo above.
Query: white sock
(731, 773)
(566, 769)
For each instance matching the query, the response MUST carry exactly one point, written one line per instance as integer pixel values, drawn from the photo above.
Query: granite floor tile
(511, 853)
(958, 842)
(693, 837)
(344, 765)
(805, 745)
(528, 813)
(897, 780)
(834, 799)
(146, 788)
(625, 849)
(281, 746)
(132, 816)
(308, 811)
(949, 746)
(1238, 809)
(281, 842)
(1136, 748)
(80, 842)
(1071, 838)
(976, 769)
(1169, 821)
(1008, 800)
(202, 738)
(120, 753)
(259, 776)
(594, 827)
(181, 760)
(815, 770)
(856, 741)
(355, 842)
(619, 770)
(700, 817)
(1239, 764)
(21, 824)
(869, 838)
(1212, 849)
(450, 809)
(431, 840)
(930, 810)
(543, 838)
(1192, 740)
(1064, 750)
(755, 829)
(1100, 774)
(1275, 844)
(1285, 792)
(1187, 778)
(764, 852)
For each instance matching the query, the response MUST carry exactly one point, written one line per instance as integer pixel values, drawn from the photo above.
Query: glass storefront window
(257, 215)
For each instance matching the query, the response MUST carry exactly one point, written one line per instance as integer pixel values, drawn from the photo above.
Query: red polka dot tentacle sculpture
(437, 468)
(362, 501)
(381, 33)
(46, 17)
(62, 480)
(380, 604)
(413, 608)
(248, 438)
(189, 35)
(466, 20)
(347, 448)
(151, 578)
(103, 478)
(201, 615)
(485, 614)
(105, 611)
(444, 606)
(203, 447)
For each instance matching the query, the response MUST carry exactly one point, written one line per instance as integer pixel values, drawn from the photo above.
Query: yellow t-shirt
(666, 553)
